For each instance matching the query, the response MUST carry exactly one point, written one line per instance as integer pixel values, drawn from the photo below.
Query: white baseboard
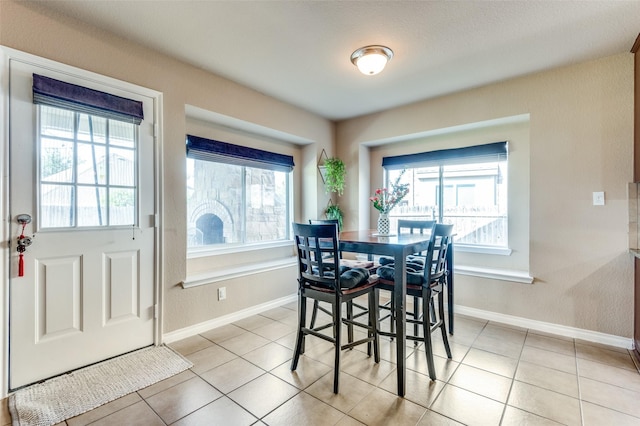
(192, 330)
(561, 330)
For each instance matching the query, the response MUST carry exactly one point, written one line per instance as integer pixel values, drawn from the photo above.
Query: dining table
(398, 246)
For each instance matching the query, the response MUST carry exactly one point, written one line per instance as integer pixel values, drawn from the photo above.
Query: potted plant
(335, 172)
(333, 212)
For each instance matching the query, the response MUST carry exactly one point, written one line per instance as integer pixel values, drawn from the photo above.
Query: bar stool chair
(407, 226)
(362, 310)
(428, 287)
(321, 278)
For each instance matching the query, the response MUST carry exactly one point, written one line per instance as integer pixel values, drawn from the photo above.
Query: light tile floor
(499, 375)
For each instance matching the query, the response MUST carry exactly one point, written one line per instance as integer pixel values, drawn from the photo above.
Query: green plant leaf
(333, 211)
(334, 175)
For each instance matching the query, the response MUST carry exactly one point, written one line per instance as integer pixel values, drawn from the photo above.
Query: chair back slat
(317, 247)
(415, 226)
(441, 242)
(336, 222)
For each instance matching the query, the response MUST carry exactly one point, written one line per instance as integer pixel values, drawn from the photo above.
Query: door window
(87, 170)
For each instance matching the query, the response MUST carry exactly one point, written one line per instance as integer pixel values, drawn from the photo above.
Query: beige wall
(580, 139)
(26, 28)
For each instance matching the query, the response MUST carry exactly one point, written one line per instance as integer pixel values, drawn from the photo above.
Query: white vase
(383, 224)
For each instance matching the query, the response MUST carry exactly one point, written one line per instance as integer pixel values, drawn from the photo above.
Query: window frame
(75, 183)
(210, 150)
(439, 159)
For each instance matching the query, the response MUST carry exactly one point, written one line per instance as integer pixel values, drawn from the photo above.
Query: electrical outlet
(222, 293)
(598, 198)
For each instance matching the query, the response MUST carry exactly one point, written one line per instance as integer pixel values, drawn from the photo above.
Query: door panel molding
(59, 280)
(122, 286)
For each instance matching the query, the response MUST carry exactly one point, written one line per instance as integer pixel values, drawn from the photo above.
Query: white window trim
(494, 274)
(237, 272)
(206, 251)
(467, 248)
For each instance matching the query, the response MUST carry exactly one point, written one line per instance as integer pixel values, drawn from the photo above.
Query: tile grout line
(513, 379)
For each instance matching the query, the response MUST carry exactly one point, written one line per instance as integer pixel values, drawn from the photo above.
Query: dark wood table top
(371, 236)
(355, 240)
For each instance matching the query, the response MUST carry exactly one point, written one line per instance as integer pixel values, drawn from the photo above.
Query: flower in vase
(386, 199)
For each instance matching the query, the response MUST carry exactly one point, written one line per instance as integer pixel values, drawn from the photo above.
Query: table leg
(400, 289)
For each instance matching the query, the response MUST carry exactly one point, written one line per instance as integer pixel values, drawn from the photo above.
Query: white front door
(87, 290)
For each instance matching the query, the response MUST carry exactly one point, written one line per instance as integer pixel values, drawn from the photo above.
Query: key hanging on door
(23, 242)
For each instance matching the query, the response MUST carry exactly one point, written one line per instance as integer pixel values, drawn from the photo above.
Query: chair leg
(312, 323)
(350, 318)
(392, 327)
(337, 327)
(302, 317)
(416, 310)
(373, 323)
(443, 326)
(426, 326)
(434, 317)
(378, 307)
(371, 310)
(314, 314)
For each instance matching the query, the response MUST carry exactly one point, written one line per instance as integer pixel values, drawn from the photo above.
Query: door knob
(23, 241)
(23, 219)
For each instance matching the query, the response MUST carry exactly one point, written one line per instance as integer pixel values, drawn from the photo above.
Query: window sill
(495, 274)
(230, 249)
(237, 272)
(501, 251)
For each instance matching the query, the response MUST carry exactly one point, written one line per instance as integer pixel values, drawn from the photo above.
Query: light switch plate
(598, 198)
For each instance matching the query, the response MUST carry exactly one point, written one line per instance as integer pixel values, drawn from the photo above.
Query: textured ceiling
(298, 51)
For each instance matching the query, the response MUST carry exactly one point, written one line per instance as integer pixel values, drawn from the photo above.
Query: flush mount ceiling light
(371, 60)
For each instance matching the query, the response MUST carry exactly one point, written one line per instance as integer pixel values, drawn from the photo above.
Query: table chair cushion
(328, 270)
(415, 262)
(414, 276)
(349, 277)
(418, 260)
(354, 277)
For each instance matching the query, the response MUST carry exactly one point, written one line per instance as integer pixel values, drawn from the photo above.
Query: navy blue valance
(478, 153)
(59, 94)
(223, 152)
